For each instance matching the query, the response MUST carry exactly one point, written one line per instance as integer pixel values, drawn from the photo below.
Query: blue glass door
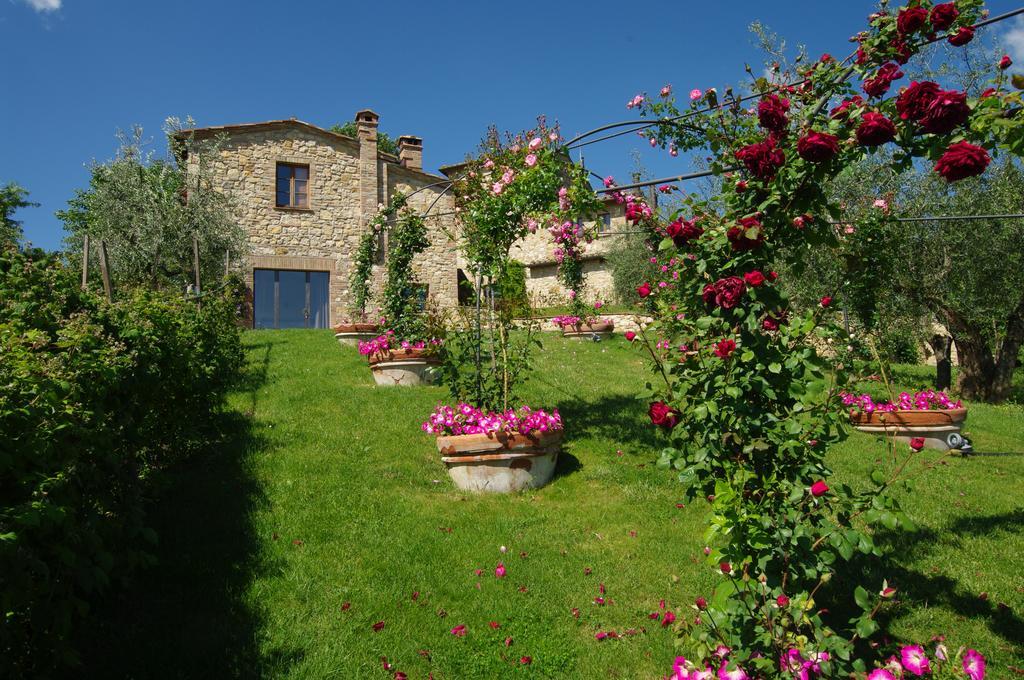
(284, 298)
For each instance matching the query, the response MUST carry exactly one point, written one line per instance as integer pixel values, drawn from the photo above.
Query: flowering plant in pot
(928, 418)
(405, 353)
(747, 406)
(589, 325)
(506, 192)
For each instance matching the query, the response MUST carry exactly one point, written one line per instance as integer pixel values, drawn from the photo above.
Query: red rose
(819, 488)
(917, 443)
(701, 603)
(862, 57)
(826, 301)
(962, 37)
(947, 112)
(771, 113)
(708, 295)
(526, 660)
(726, 568)
(943, 16)
(988, 92)
(1005, 62)
(782, 601)
(911, 19)
(914, 101)
(763, 159)
(961, 160)
(663, 415)
(728, 291)
(875, 129)
(772, 275)
(741, 186)
(843, 110)
(879, 85)
(740, 239)
(683, 231)
(770, 323)
(725, 348)
(902, 51)
(754, 278)
(643, 290)
(630, 335)
(817, 147)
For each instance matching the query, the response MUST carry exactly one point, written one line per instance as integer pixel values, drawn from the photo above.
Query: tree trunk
(942, 346)
(985, 376)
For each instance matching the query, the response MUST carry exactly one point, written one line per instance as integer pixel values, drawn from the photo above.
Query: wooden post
(227, 264)
(105, 272)
(85, 263)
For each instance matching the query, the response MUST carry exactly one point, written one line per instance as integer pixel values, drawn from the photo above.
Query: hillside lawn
(326, 509)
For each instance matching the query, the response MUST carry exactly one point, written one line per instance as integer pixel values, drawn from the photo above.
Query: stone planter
(404, 368)
(599, 330)
(939, 428)
(354, 333)
(501, 463)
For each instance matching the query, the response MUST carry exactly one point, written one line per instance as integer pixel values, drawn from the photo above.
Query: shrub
(95, 400)
(630, 264)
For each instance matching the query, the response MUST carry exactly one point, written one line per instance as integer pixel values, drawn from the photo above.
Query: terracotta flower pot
(500, 462)
(354, 333)
(589, 331)
(937, 427)
(404, 367)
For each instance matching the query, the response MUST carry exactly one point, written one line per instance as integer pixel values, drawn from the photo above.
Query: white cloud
(44, 5)
(1014, 40)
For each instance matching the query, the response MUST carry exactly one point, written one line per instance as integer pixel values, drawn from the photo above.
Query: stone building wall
(348, 179)
(536, 252)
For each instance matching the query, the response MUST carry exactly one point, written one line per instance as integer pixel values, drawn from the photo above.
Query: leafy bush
(95, 399)
(630, 263)
(511, 289)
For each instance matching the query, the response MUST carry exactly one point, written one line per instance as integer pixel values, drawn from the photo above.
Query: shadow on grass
(932, 586)
(614, 417)
(191, 615)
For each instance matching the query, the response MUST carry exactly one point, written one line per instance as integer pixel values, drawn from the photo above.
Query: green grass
(325, 491)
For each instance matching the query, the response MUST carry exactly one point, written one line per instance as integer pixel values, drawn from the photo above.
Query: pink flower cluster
(382, 344)
(569, 239)
(927, 400)
(467, 419)
(566, 320)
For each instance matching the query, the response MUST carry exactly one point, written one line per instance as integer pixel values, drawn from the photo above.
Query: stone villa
(305, 195)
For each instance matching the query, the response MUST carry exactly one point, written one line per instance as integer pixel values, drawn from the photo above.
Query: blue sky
(78, 70)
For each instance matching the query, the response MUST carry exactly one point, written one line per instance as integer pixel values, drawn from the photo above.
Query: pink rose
(819, 488)
(695, 94)
(531, 160)
(536, 143)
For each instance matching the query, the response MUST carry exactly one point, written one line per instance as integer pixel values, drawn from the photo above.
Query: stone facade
(348, 179)
(536, 252)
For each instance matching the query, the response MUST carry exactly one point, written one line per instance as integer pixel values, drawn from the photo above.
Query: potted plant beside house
(585, 326)
(491, 441)
(402, 354)
(929, 417)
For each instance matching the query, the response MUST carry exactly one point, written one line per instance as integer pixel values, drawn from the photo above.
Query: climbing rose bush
(747, 407)
(467, 419)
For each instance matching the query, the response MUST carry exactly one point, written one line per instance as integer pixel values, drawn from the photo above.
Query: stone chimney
(410, 152)
(369, 184)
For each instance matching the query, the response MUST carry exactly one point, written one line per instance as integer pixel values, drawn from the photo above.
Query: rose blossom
(695, 94)
(754, 278)
(913, 101)
(875, 129)
(536, 143)
(496, 188)
(531, 160)
(726, 292)
(663, 415)
(962, 160)
(843, 110)
(819, 488)
(917, 443)
(630, 335)
(762, 159)
(782, 601)
(880, 674)
(911, 19)
(1005, 62)
(643, 290)
(826, 301)
(943, 16)
(739, 238)
(683, 231)
(666, 90)
(884, 77)
(817, 147)
(725, 348)
(771, 113)
(962, 36)
(947, 111)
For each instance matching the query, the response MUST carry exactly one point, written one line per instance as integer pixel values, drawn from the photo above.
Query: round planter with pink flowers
(584, 329)
(497, 452)
(928, 418)
(401, 364)
(353, 333)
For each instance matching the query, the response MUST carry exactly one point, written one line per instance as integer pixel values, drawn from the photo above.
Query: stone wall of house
(536, 252)
(348, 179)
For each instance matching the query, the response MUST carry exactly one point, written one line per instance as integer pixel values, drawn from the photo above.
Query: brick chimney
(410, 152)
(369, 185)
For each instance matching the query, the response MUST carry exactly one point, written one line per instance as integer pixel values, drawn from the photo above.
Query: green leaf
(775, 367)
(866, 628)
(862, 598)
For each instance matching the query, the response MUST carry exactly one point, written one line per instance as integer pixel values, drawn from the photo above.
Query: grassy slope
(334, 495)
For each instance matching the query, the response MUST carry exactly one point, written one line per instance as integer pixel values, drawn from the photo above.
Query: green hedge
(95, 399)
